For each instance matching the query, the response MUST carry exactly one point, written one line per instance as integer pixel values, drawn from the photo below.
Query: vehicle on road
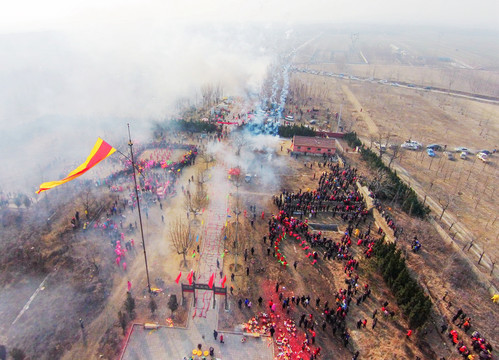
(435, 147)
(462, 149)
(411, 145)
(380, 146)
(483, 157)
(463, 155)
(430, 152)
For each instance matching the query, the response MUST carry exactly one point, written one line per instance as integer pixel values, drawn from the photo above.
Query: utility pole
(138, 207)
(237, 212)
(339, 119)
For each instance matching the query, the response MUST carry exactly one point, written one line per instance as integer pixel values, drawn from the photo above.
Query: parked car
(380, 146)
(483, 157)
(435, 147)
(430, 152)
(450, 155)
(462, 149)
(486, 152)
(463, 155)
(411, 145)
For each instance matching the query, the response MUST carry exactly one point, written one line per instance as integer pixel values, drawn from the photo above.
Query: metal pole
(339, 119)
(237, 212)
(138, 207)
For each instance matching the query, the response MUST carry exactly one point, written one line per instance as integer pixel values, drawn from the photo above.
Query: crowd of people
(336, 194)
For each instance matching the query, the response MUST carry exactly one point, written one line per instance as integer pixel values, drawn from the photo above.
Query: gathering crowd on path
(335, 194)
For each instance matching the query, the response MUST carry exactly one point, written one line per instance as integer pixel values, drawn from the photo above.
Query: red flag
(189, 277)
(212, 279)
(100, 151)
(178, 277)
(223, 281)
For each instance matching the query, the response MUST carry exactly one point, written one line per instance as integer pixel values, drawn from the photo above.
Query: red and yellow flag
(100, 151)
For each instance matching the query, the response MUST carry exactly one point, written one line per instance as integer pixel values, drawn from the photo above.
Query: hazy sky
(26, 15)
(72, 70)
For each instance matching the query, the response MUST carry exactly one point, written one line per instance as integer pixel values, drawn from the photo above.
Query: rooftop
(314, 141)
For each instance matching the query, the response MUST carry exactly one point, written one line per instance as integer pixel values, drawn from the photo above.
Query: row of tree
(386, 184)
(415, 305)
(161, 129)
(289, 131)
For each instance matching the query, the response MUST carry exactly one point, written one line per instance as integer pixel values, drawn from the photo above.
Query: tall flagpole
(138, 207)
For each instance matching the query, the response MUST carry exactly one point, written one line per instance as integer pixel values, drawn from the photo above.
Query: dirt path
(371, 126)
(463, 235)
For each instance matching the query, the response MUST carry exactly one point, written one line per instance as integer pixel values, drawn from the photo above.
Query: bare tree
(201, 177)
(207, 93)
(87, 199)
(380, 184)
(445, 200)
(207, 158)
(382, 143)
(92, 256)
(239, 142)
(232, 232)
(180, 239)
(194, 202)
(396, 154)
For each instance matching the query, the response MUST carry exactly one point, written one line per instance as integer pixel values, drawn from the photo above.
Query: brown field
(400, 114)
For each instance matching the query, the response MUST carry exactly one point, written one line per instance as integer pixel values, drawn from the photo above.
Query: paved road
(175, 343)
(463, 235)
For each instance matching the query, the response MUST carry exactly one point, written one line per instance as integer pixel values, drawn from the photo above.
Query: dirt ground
(323, 281)
(400, 114)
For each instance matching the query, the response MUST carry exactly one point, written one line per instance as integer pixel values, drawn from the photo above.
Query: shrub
(415, 305)
(129, 304)
(17, 354)
(393, 188)
(292, 130)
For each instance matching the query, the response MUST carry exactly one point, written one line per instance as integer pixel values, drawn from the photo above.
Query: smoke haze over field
(59, 89)
(70, 72)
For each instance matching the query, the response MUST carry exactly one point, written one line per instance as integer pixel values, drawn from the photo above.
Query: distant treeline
(197, 126)
(288, 131)
(393, 188)
(415, 305)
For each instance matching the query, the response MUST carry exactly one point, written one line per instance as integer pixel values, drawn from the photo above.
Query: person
(221, 338)
(3, 352)
(272, 331)
(247, 271)
(215, 334)
(81, 323)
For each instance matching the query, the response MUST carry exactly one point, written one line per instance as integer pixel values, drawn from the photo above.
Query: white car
(464, 155)
(411, 145)
(483, 157)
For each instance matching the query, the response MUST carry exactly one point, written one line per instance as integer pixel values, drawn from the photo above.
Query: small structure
(313, 145)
